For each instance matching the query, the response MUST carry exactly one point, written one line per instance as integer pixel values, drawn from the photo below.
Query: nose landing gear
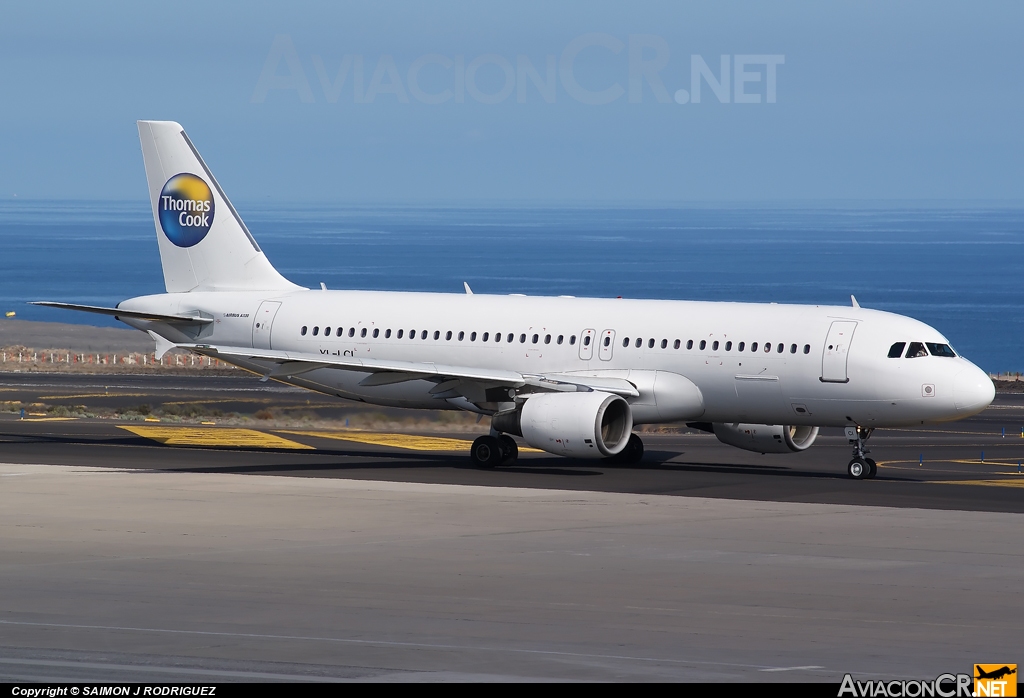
(861, 467)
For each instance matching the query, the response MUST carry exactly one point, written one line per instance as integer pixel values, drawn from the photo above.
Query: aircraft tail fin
(204, 245)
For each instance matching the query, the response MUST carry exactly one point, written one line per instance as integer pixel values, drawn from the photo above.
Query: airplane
(570, 376)
(995, 674)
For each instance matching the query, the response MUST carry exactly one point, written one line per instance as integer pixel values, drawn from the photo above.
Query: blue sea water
(956, 269)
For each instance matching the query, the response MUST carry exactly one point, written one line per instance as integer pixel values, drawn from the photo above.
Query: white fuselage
(804, 383)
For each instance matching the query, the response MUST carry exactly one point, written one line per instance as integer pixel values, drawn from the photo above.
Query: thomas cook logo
(186, 209)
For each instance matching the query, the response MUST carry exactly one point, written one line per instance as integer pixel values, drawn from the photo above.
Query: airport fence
(18, 358)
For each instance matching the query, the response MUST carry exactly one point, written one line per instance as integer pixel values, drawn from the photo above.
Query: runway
(157, 551)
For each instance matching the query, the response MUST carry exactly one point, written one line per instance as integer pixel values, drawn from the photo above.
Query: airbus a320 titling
(570, 376)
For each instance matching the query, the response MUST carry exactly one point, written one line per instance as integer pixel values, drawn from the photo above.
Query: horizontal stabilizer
(136, 314)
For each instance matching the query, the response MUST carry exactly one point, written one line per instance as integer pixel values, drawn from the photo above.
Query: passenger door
(836, 350)
(263, 323)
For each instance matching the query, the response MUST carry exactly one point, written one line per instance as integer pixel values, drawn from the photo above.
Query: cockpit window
(915, 350)
(940, 349)
(896, 350)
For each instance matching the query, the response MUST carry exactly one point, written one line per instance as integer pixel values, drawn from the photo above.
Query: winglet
(853, 299)
(469, 291)
(162, 345)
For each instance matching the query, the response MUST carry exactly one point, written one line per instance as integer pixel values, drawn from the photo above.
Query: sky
(466, 103)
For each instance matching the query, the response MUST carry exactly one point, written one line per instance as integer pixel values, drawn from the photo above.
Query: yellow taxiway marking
(983, 483)
(407, 441)
(50, 419)
(198, 436)
(1008, 462)
(70, 397)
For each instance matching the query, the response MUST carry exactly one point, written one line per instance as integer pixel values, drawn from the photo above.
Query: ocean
(958, 269)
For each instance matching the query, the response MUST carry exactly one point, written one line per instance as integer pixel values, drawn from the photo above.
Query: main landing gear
(491, 451)
(632, 453)
(861, 467)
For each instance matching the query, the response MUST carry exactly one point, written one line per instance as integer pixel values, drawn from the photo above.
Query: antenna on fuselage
(469, 291)
(853, 299)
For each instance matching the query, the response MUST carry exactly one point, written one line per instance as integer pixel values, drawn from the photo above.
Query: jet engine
(766, 438)
(579, 425)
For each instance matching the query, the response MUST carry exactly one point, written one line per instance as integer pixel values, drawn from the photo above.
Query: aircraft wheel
(858, 469)
(486, 452)
(510, 449)
(874, 467)
(632, 453)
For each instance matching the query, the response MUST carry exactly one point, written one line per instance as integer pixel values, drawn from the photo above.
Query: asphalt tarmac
(159, 551)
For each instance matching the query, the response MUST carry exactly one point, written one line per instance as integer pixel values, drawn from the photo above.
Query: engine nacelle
(578, 425)
(766, 438)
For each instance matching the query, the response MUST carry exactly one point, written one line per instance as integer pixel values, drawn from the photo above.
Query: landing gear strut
(861, 467)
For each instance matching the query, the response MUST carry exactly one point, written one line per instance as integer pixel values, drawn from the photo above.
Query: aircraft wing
(452, 380)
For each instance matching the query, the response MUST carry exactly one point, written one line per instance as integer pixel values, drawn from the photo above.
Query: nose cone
(973, 391)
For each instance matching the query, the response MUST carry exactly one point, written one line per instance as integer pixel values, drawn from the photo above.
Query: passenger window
(792, 348)
(940, 350)
(340, 331)
(351, 331)
(423, 334)
(753, 346)
(376, 332)
(412, 334)
(625, 341)
(547, 339)
(387, 334)
(533, 339)
(522, 339)
(362, 332)
(689, 344)
(448, 335)
(572, 340)
(327, 332)
(781, 348)
(728, 346)
(559, 340)
(807, 348)
(510, 337)
(915, 349)
(639, 342)
(739, 347)
(607, 340)
(316, 330)
(437, 334)
(650, 343)
(675, 345)
(462, 335)
(703, 343)
(485, 336)
(767, 347)
(896, 350)
(303, 331)
(586, 341)
(664, 343)
(401, 333)
(714, 345)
